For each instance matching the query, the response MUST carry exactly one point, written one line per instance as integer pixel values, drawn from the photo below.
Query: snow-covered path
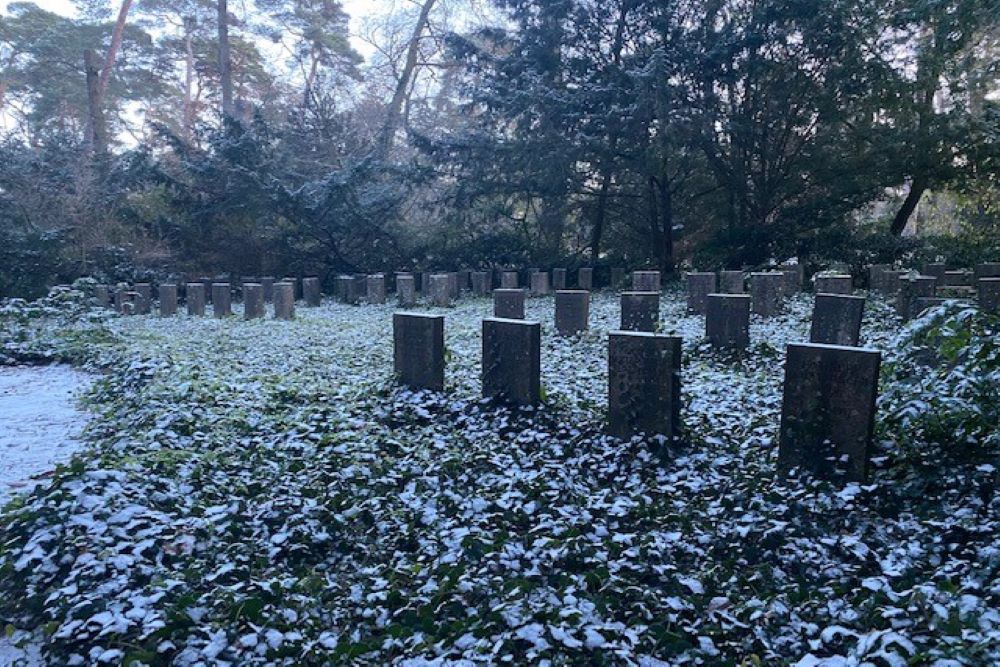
(39, 422)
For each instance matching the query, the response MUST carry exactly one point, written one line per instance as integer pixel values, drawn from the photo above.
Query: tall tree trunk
(395, 110)
(116, 43)
(917, 190)
(188, 119)
(665, 225)
(225, 67)
(97, 133)
(597, 232)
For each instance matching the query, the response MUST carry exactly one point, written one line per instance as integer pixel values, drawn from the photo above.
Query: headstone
(957, 279)
(453, 285)
(540, 283)
(440, 290)
(876, 277)
(834, 284)
(731, 282)
(585, 278)
(911, 289)
(253, 301)
(267, 283)
(699, 286)
(794, 277)
(311, 291)
(934, 269)
(418, 342)
(129, 299)
(572, 311)
(836, 319)
(828, 410)
(640, 311)
(508, 280)
(195, 299)
(890, 281)
(144, 301)
(284, 301)
(644, 385)
(168, 300)
(727, 321)
(986, 270)
(221, 300)
(617, 277)
(645, 281)
(207, 283)
(480, 283)
(406, 289)
(512, 360)
(464, 278)
(347, 289)
(360, 285)
(376, 288)
(508, 304)
(989, 295)
(558, 279)
(102, 296)
(765, 292)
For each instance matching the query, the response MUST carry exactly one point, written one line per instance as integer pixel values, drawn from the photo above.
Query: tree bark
(225, 67)
(97, 133)
(116, 43)
(188, 120)
(402, 86)
(917, 190)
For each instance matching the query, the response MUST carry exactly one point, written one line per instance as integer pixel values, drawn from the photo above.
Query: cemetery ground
(262, 493)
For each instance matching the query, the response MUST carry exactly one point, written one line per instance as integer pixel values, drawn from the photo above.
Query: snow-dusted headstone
(911, 289)
(311, 291)
(144, 302)
(512, 360)
(585, 278)
(195, 296)
(453, 289)
(765, 292)
(644, 386)
(376, 288)
(222, 300)
(267, 283)
(508, 280)
(168, 300)
(284, 301)
(406, 289)
(640, 311)
(207, 284)
(439, 286)
(558, 279)
(572, 311)
(418, 350)
(794, 276)
(345, 287)
(480, 283)
(464, 278)
(253, 301)
(540, 283)
(618, 274)
(646, 281)
(986, 270)
(835, 284)
(102, 295)
(836, 319)
(989, 294)
(828, 410)
(876, 277)
(699, 286)
(508, 304)
(731, 282)
(727, 321)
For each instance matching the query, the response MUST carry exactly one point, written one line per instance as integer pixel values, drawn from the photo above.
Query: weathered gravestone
(453, 285)
(406, 289)
(439, 286)
(168, 300)
(558, 279)
(986, 270)
(464, 278)
(508, 280)
(727, 321)
(765, 292)
(572, 311)
(540, 283)
(267, 283)
(376, 288)
(346, 288)
(957, 279)
(222, 305)
(834, 284)
(284, 301)
(102, 295)
(195, 296)
(731, 282)
(794, 276)
(254, 307)
(585, 278)
(646, 281)
(311, 291)
(828, 410)
(911, 289)
(480, 283)
(418, 350)
(836, 319)
(640, 311)
(508, 304)
(144, 300)
(644, 386)
(617, 277)
(989, 295)
(512, 360)
(934, 269)
(876, 276)
(699, 286)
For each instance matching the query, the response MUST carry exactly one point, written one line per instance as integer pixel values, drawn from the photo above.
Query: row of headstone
(137, 299)
(828, 406)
